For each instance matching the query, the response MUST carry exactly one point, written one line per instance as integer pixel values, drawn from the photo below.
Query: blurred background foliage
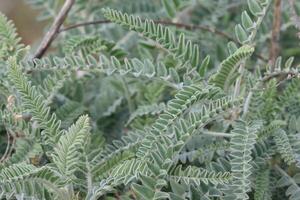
(24, 17)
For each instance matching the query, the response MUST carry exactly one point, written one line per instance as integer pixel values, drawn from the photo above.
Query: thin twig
(247, 103)
(284, 174)
(54, 29)
(4, 156)
(164, 22)
(88, 175)
(274, 50)
(217, 134)
(282, 75)
(238, 82)
(84, 24)
(127, 95)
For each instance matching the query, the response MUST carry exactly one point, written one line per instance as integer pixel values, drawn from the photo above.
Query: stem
(274, 51)
(89, 176)
(247, 103)
(281, 74)
(54, 29)
(5, 155)
(127, 95)
(239, 80)
(164, 22)
(249, 42)
(283, 173)
(217, 134)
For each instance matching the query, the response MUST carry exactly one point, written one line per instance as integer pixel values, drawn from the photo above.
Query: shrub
(152, 105)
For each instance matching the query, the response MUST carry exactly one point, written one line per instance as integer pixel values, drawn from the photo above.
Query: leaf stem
(127, 95)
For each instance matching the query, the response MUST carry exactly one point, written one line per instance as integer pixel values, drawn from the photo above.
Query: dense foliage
(155, 99)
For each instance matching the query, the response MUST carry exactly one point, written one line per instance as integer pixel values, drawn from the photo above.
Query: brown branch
(54, 29)
(8, 146)
(178, 25)
(281, 75)
(274, 50)
(193, 27)
(84, 24)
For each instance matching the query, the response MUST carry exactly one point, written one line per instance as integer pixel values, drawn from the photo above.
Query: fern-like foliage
(113, 154)
(36, 104)
(108, 115)
(262, 184)
(68, 112)
(83, 45)
(92, 45)
(109, 66)
(182, 49)
(147, 110)
(203, 153)
(286, 180)
(10, 42)
(175, 107)
(228, 70)
(51, 84)
(283, 146)
(67, 152)
(246, 32)
(25, 150)
(29, 181)
(270, 129)
(241, 144)
(194, 175)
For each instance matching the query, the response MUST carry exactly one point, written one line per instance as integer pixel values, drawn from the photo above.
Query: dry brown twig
(164, 22)
(281, 75)
(54, 29)
(9, 147)
(274, 50)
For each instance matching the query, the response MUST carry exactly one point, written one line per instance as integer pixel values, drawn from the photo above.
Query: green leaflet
(107, 65)
(241, 144)
(36, 104)
(92, 45)
(194, 175)
(284, 147)
(67, 152)
(30, 180)
(262, 185)
(228, 70)
(10, 42)
(182, 49)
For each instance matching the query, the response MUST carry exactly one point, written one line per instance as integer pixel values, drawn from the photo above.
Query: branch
(164, 22)
(282, 75)
(8, 147)
(84, 24)
(217, 134)
(275, 33)
(54, 29)
(178, 25)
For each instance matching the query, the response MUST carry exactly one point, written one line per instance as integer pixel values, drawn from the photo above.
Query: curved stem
(127, 95)
(4, 156)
